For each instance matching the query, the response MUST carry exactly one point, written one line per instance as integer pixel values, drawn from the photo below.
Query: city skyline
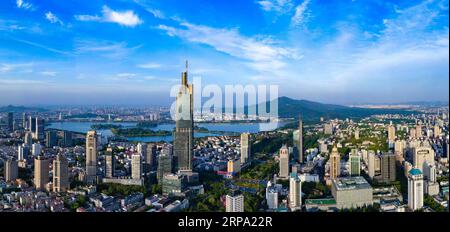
(120, 52)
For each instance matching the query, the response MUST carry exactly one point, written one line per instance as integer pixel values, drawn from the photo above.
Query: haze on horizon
(132, 52)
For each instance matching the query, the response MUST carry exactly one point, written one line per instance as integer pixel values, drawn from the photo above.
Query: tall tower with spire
(183, 136)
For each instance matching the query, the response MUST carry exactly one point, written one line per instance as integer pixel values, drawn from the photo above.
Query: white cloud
(24, 5)
(150, 66)
(113, 50)
(125, 18)
(254, 51)
(53, 18)
(301, 13)
(4, 67)
(48, 73)
(279, 6)
(126, 75)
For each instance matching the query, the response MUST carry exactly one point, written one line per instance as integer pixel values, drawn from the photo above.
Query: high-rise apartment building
(388, 168)
(110, 163)
(391, 133)
(234, 202)
(41, 170)
(371, 164)
(136, 166)
(284, 162)
(295, 192)
(11, 170)
(184, 128)
(60, 174)
(40, 126)
(245, 147)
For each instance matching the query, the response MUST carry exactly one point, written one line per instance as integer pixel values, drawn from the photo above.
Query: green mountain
(20, 109)
(312, 111)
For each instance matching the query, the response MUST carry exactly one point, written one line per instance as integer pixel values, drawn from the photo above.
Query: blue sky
(132, 52)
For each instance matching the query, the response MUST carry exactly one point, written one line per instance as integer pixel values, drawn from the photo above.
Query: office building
(150, 158)
(355, 165)
(91, 157)
(295, 192)
(60, 174)
(284, 162)
(136, 166)
(164, 166)
(173, 184)
(36, 149)
(415, 189)
(388, 168)
(245, 147)
(418, 131)
(110, 163)
(51, 139)
(352, 192)
(142, 149)
(67, 139)
(41, 170)
(24, 121)
(10, 120)
(28, 139)
(183, 136)
(22, 152)
(11, 170)
(422, 155)
(335, 163)
(234, 202)
(32, 125)
(40, 126)
(429, 172)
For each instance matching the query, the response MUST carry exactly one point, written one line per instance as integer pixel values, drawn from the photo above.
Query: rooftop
(351, 183)
(327, 201)
(415, 171)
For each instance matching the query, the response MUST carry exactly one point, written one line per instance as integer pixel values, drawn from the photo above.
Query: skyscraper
(51, 138)
(295, 192)
(371, 164)
(245, 147)
(164, 166)
(136, 166)
(184, 129)
(422, 155)
(91, 157)
(415, 189)
(284, 162)
(110, 163)
(391, 132)
(24, 121)
(299, 142)
(22, 152)
(355, 164)
(150, 158)
(40, 126)
(28, 139)
(418, 131)
(388, 168)
(11, 170)
(60, 174)
(41, 170)
(10, 122)
(67, 139)
(335, 163)
(234, 202)
(32, 125)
